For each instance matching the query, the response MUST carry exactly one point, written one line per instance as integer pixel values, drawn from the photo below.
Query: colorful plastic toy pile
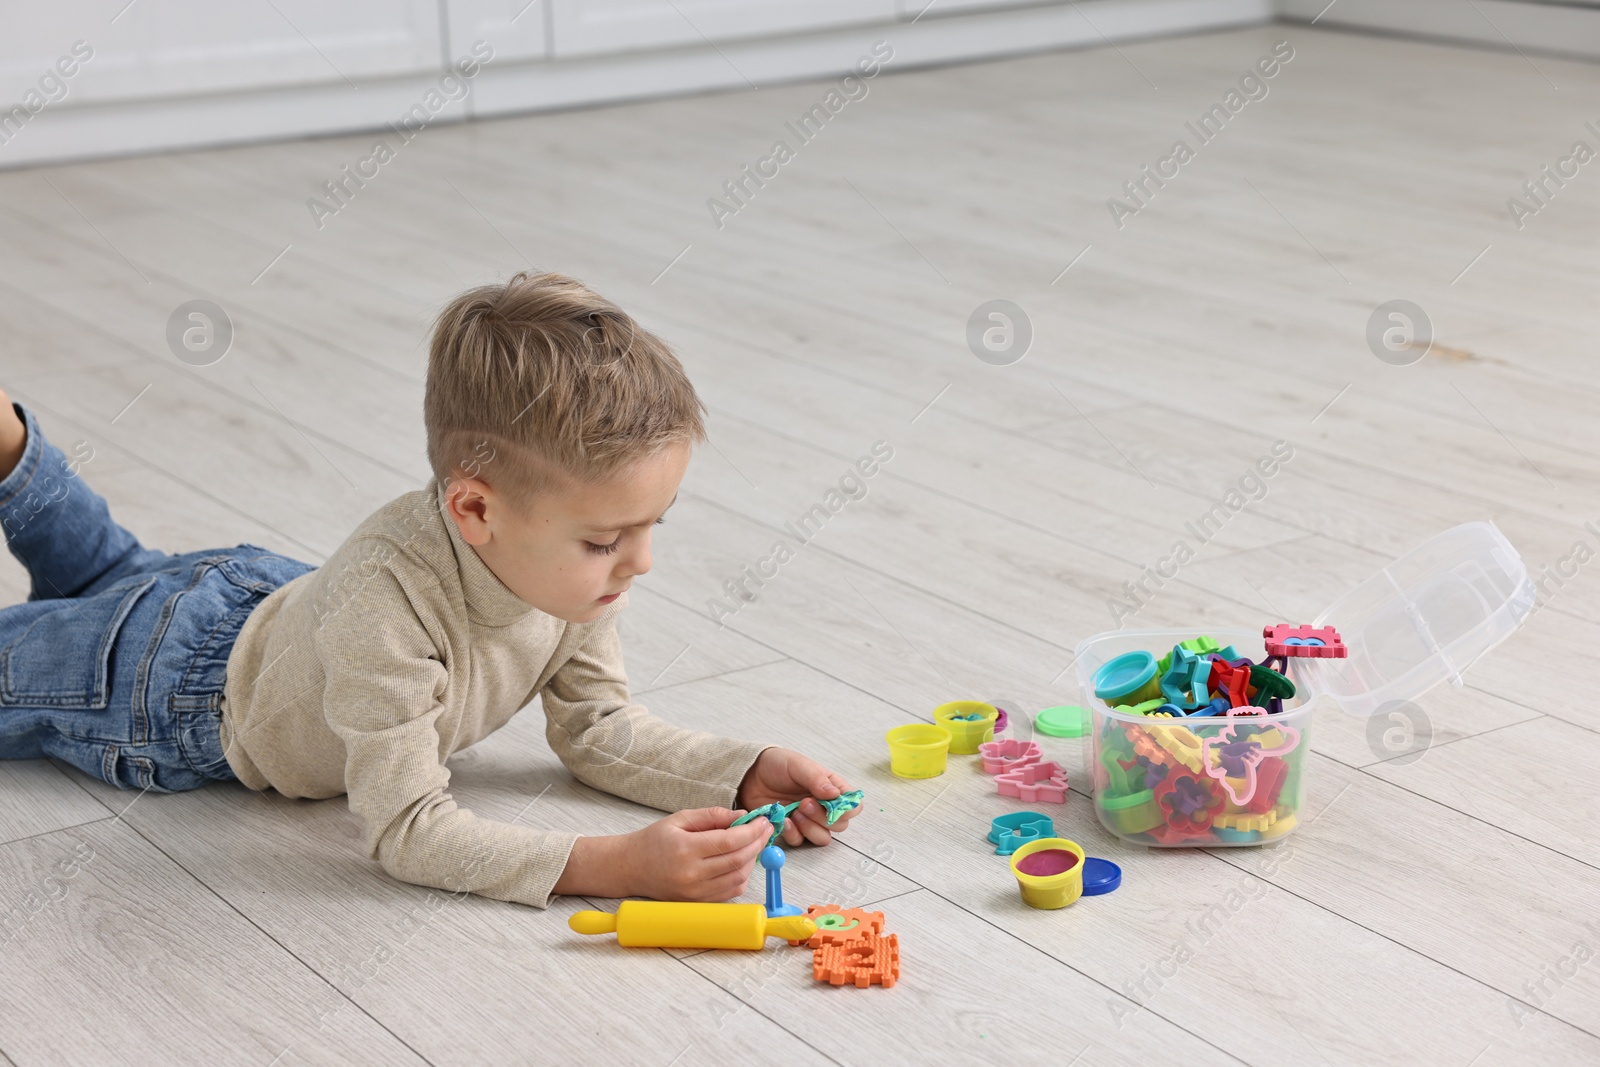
(1228, 773)
(1200, 677)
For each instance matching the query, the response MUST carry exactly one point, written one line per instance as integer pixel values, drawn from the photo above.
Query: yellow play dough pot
(918, 750)
(967, 734)
(1053, 878)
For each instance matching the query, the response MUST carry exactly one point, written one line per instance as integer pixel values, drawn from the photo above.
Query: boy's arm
(614, 744)
(382, 698)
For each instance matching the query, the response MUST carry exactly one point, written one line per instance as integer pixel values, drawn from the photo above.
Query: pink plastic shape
(1332, 647)
(1035, 783)
(1216, 768)
(1007, 755)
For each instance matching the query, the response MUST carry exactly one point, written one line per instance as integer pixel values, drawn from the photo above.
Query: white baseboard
(927, 42)
(67, 132)
(1558, 29)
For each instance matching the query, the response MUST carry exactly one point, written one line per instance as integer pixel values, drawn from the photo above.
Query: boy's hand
(782, 776)
(694, 855)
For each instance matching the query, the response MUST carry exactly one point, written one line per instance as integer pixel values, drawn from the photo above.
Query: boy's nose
(640, 562)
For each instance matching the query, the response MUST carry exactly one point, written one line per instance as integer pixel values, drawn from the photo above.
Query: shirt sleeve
(613, 744)
(382, 697)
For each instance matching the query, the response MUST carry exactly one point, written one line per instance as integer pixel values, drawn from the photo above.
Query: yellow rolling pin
(674, 924)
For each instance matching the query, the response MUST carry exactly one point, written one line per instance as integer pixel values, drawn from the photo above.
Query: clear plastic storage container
(1241, 779)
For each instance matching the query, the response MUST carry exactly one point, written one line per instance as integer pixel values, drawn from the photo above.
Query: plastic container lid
(1124, 675)
(1424, 618)
(1100, 876)
(1066, 720)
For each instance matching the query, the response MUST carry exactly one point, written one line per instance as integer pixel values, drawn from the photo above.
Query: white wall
(95, 78)
(1571, 27)
(150, 76)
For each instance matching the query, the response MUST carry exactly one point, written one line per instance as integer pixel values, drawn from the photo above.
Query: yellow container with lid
(1049, 872)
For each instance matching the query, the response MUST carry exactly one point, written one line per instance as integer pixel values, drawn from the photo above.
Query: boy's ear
(467, 502)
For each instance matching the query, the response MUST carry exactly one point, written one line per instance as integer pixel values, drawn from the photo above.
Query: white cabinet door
(153, 48)
(516, 28)
(588, 27)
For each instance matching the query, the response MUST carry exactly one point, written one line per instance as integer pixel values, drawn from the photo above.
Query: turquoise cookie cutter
(1010, 832)
(1235, 837)
(1184, 682)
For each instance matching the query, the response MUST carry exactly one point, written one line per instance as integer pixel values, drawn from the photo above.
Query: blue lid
(1124, 674)
(1100, 876)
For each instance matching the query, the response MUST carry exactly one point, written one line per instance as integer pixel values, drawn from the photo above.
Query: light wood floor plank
(199, 439)
(164, 511)
(40, 800)
(1417, 871)
(668, 645)
(1524, 755)
(110, 905)
(960, 999)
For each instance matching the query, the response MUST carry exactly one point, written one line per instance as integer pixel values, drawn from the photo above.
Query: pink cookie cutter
(1219, 764)
(1007, 755)
(1035, 783)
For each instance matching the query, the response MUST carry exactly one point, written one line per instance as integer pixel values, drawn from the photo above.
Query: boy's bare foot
(13, 436)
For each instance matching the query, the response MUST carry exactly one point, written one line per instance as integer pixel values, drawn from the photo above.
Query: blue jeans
(116, 662)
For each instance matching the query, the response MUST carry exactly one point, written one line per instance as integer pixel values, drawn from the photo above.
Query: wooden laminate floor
(1437, 905)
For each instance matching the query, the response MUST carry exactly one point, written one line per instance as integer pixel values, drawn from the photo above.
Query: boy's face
(581, 548)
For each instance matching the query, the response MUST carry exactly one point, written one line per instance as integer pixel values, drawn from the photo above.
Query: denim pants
(116, 661)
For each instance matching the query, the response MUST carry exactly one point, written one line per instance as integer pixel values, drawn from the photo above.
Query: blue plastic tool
(772, 858)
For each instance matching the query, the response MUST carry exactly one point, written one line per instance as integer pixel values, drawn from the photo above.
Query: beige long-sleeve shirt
(363, 676)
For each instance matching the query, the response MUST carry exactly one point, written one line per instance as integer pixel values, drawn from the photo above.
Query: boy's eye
(606, 550)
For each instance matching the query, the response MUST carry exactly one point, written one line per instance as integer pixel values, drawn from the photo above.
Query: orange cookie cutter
(874, 961)
(1167, 745)
(1146, 746)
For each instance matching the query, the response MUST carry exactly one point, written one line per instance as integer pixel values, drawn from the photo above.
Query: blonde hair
(540, 382)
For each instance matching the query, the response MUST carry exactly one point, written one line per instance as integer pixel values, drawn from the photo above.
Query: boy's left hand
(782, 776)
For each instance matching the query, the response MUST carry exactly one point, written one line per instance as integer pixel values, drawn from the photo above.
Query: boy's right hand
(694, 855)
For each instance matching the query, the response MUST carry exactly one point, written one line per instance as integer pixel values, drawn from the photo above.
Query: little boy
(558, 430)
